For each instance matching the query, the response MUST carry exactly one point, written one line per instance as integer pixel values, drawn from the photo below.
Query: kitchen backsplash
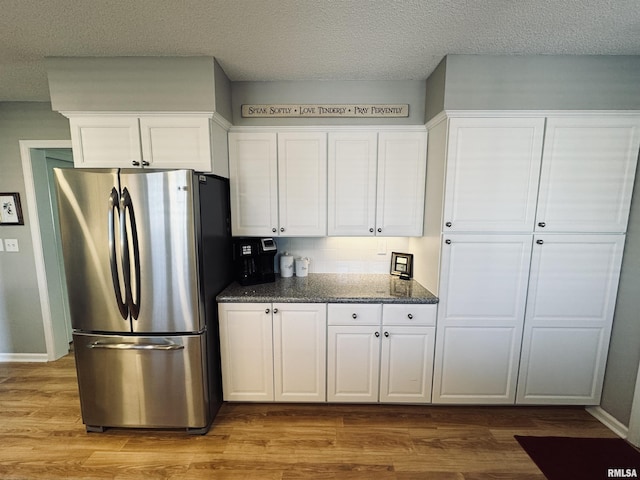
(344, 254)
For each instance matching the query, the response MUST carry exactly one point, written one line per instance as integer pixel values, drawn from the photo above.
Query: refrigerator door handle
(114, 210)
(128, 213)
(137, 346)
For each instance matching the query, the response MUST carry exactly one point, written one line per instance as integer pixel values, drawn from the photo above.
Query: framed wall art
(402, 264)
(10, 209)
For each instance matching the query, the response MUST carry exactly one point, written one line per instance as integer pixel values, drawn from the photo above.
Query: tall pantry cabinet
(528, 227)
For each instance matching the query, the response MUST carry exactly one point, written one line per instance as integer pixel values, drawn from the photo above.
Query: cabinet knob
(274, 230)
(410, 316)
(386, 334)
(379, 230)
(282, 229)
(354, 315)
(135, 163)
(539, 242)
(447, 241)
(371, 230)
(275, 310)
(267, 311)
(377, 334)
(448, 224)
(542, 224)
(145, 163)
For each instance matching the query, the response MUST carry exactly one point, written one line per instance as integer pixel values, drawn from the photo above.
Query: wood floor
(42, 437)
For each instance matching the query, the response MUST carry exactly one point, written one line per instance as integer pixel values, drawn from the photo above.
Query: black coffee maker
(254, 260)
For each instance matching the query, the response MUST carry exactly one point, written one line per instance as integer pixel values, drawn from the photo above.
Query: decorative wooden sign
(333, 111)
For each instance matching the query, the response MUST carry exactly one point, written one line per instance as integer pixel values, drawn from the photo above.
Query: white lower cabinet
(353, 356)
(370, 360)
(570, 304)
(483, 289)
(273, 351)
(246, 351)
(299, 352)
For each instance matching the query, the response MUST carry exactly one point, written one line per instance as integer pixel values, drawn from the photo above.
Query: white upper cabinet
(587, 175)
(125, 141)
(278, 183)
(302, 183)
(493, 165)
(253, 178)
(402, 163)
(352, 169)
(105, 141)
(168, 142)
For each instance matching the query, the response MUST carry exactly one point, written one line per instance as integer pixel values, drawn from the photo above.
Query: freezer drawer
(150, 382)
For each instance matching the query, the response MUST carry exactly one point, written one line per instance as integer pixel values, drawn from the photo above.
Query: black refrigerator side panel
(216, 270)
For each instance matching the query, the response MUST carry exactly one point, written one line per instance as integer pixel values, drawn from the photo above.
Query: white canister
(286, 265)
(302, 266)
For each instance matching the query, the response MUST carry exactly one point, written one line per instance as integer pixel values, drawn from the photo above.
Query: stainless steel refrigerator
(145, 254)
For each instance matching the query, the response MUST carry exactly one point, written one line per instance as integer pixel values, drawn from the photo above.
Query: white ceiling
(304, 39)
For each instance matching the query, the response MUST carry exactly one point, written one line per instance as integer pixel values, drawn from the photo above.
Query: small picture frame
(10, 209)
(402, 264)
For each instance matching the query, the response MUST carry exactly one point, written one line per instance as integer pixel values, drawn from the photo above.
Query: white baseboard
(23, 357)
(609, 421)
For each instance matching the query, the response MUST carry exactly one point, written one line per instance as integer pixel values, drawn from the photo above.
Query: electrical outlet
(11, 244)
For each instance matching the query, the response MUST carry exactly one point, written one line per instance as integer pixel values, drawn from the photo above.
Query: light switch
(11, 244)
(382, 246)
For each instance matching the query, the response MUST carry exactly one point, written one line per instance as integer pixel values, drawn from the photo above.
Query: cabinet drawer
(354, 314)
(409, 314)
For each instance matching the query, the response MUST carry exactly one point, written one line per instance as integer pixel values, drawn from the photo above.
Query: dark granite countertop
(330, 288)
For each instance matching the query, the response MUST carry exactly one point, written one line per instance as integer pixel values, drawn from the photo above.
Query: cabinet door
(246, 351)
(353, 357)
(352, 183)
(406, 364)
(105, 141)
(570, 306)
(402, 164)
(299, 343)
(302, 184)
(253, 182)
(176, 142)
(483, 289)
(493, 165)
(588, 168)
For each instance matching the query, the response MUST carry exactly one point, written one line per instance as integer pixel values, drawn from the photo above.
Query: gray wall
(143, 84)
(21, 329)
(536, 82)
(330, 92)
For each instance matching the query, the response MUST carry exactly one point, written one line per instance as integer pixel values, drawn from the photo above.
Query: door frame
(36, 238)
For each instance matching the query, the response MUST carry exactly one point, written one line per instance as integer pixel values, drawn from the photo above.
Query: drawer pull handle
(410, 316)
(448, 224)
(354, 315)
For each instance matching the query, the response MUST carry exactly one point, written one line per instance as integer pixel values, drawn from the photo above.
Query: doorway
(38, 160)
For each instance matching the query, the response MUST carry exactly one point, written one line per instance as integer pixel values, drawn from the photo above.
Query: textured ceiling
(305, 39)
